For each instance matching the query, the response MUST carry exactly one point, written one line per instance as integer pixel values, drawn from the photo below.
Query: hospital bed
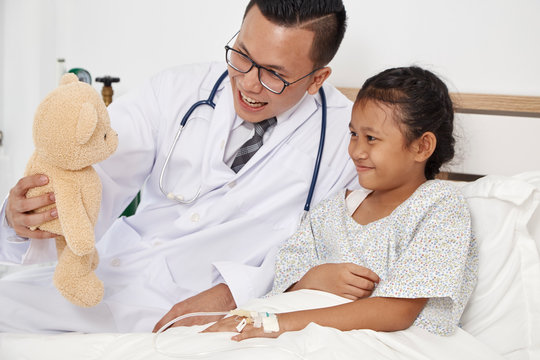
(501, 321)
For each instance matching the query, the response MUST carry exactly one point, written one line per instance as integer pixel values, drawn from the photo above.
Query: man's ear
(424, 146)
(319, 77)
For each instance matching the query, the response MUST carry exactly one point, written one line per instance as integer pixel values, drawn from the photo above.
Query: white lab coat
(168, 251)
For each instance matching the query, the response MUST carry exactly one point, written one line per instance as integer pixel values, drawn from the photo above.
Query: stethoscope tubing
(319, 151)
(210, 102)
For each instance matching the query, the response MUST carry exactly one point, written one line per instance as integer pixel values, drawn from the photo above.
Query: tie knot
(262, 126)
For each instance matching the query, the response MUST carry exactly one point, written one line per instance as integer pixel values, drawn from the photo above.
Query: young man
(216, 249)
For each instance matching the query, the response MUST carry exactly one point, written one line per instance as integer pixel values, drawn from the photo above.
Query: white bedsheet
(502, 317)
(314, 342)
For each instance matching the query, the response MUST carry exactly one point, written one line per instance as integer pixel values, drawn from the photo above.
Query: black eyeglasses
(268, 78)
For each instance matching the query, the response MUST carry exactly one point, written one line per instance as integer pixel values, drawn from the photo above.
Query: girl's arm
(347, 280)
(378, 313)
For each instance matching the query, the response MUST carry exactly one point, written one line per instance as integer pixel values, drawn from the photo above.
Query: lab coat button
(195, 217)
(232, 184)
(157, 243)
(116, 262)
(222, 144)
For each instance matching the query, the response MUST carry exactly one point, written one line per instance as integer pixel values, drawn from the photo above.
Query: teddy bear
(71, 132)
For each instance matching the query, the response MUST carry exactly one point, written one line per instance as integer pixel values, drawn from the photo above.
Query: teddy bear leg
(75, 279)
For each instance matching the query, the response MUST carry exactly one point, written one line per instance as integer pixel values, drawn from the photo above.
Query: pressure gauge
(82, 74)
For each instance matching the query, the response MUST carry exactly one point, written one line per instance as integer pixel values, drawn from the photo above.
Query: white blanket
(502, 316)
(314, 342)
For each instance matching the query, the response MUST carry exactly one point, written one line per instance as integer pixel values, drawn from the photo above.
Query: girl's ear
(320, 76)
(424, 146)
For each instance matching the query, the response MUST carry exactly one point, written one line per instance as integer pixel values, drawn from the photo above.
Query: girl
(410, 230)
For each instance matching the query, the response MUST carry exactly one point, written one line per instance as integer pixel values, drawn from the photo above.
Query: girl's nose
(358, 151)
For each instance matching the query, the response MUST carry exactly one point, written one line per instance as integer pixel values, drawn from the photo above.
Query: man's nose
(250, 80)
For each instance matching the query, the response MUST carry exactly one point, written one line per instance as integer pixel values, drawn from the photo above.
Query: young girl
(412, 232)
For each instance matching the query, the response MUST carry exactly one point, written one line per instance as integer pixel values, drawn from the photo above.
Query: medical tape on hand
(242, 325)
(269, 325)
(268, 321)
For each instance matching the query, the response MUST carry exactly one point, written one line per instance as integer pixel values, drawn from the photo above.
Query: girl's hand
(348, 280)
(229, 325)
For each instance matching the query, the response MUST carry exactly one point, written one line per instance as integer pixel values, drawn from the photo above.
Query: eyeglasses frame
(259, 67)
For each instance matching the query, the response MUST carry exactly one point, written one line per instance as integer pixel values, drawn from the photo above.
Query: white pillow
(534, 224)
(504, 309)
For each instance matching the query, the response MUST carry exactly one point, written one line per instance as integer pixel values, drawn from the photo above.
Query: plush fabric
(71, 132)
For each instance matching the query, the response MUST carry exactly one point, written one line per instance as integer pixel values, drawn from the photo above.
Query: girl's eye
(353, 134)
(370, 138)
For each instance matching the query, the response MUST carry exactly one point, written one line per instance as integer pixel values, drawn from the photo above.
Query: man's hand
(348, 280)
(19, 209)
(218, 298)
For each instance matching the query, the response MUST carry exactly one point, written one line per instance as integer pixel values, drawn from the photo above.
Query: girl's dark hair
(326, 18)
(422, 104)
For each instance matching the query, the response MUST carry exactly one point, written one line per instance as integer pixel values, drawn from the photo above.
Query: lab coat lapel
(215, 172)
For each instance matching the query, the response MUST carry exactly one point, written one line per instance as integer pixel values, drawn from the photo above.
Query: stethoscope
(210, 102)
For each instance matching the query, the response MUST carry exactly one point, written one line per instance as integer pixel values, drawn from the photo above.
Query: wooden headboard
(506, 105)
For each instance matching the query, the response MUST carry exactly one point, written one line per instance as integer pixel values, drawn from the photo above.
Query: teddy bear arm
(77, 227)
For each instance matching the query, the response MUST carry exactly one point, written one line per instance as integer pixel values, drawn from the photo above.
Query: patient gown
(424, 249)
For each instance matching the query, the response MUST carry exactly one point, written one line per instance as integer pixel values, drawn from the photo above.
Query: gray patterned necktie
(250, 147)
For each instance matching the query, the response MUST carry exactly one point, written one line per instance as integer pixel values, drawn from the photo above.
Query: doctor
(217, 251)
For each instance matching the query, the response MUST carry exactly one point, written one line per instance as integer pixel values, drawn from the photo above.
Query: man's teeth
(252, 102)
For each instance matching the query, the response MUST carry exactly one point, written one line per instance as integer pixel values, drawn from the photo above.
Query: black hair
(326, 18)
(422, 104)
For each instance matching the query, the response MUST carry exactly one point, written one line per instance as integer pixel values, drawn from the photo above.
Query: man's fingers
(28, 182)
(188, 321)
(35, 219)
(25, 224)
(19, 209)
(196, 320)
(35, 234)
(33, 203)
(165, 319)
(217, 298)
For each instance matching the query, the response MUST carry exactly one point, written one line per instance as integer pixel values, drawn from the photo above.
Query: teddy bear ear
(87, 123)
(68, 78)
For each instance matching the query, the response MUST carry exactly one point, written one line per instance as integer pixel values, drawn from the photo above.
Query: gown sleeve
(439, 263)
(295, 257)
